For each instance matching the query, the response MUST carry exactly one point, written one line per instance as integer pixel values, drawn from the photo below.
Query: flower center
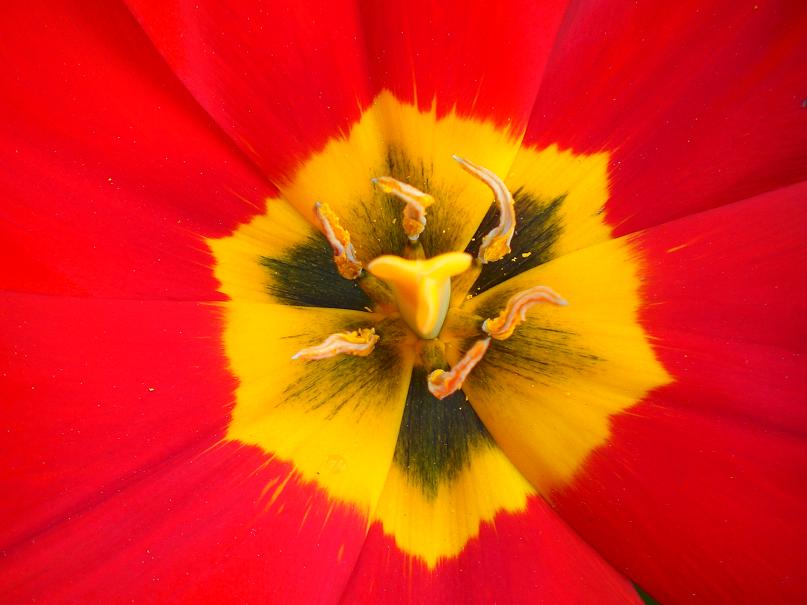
(420, 287)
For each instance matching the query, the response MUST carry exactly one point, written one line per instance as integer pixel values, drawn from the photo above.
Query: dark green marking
(537, 229)
(306, 276)
(437, 437)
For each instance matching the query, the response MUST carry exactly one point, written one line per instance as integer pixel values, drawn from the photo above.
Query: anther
(359, 343)
(414, 214)
(443, 383)
(515, 311)
(496, 244)
(344, 255)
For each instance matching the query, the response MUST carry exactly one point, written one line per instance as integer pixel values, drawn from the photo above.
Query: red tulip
(164, 260)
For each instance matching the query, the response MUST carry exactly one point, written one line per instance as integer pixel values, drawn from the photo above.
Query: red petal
(482, 59)
(518, 558)
(113, 173)
(283, 78)
(279, 77)
(700, 495)
(700, 102)
(122, 489)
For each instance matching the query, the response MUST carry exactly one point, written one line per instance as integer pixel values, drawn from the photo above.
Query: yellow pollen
(496, 244)
(344, 255)
(442, 383)
(515, 311)
(414, 215)
(422, 288)
(359, 343)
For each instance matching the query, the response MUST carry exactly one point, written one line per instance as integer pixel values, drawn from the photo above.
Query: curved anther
(359, 342)
(444, 383)
(515, 312)
(496, 244)
(344, 255)
(414, 215)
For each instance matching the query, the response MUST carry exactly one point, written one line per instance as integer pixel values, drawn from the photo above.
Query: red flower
(160, 446)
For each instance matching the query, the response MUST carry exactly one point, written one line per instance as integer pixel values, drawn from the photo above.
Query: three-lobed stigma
(422, 288)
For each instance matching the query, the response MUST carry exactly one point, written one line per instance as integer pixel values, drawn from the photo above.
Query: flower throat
(418, 289)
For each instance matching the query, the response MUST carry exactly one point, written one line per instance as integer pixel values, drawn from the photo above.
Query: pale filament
(344, 255)
(496, 244)
(443, 383)
(515, 312)
(414, 214)
(359, 343)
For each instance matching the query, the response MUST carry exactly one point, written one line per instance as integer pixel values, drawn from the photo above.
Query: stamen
(496, 244)
(344, 255)
(359, 343)
(414, 215)
(442, 383)
(515, 312)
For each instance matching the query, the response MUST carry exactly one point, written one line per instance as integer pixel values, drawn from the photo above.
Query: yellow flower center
(379, 428)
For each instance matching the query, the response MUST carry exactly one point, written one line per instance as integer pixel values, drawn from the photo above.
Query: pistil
(422, 288)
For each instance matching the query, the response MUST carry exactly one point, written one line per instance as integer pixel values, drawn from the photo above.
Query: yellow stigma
(422, 288)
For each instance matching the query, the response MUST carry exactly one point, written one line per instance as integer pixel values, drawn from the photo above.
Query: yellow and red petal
(709, 470)
(546, 394)
(126, 486)
(113, 174)
(700, 104)
(234, 461)
(457, 522)
(523, 557)
(139, 467)
(694, 492)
